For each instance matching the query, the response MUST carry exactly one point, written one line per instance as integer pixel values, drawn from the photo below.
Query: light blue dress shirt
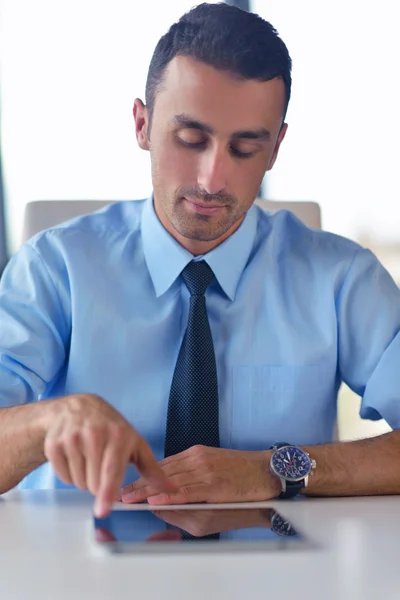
(97, 305)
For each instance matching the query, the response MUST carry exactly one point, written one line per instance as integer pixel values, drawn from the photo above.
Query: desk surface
(46, 553)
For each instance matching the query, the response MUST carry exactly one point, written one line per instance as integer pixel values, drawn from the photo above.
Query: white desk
(46, 554)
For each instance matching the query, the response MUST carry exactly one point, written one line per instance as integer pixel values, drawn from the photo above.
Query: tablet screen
(196, 529)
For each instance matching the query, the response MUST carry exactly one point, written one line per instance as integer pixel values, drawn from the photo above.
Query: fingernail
(128, 497)
(159, 499)
(98, 510)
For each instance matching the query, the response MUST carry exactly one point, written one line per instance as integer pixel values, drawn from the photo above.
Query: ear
(281, 136)
(141, 116)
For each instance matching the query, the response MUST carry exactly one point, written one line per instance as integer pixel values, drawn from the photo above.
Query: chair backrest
(307, 211)
(43, 214)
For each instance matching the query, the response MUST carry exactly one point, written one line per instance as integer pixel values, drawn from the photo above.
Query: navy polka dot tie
(193, 402)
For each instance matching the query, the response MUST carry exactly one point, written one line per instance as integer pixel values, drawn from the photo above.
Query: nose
(213, 171)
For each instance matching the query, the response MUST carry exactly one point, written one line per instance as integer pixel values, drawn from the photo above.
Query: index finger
(111, 477)
(151, 470)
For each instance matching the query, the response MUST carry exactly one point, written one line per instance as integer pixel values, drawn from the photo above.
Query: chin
(197, 236)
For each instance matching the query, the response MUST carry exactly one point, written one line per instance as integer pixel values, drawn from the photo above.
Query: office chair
(43, 214)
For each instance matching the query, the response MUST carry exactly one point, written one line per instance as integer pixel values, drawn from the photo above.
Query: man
(194, 320)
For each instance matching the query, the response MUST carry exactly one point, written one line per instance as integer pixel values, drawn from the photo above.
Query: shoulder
(290, 236)
(116, 220)
(311, 257)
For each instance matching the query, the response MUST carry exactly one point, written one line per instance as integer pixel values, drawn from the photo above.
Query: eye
(191, 138)
(242, 149)
(240, 153)
(193, 145)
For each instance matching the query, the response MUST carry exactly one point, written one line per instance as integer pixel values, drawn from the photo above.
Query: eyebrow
(184, 120)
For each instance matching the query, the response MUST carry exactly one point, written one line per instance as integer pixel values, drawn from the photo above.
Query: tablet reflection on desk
(259, 528)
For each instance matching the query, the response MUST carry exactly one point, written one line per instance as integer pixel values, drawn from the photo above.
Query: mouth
(204, 209)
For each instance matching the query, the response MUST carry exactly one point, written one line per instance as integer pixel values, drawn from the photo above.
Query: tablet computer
(187, 529)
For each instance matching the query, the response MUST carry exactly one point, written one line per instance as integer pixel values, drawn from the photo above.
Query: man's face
(212, 139)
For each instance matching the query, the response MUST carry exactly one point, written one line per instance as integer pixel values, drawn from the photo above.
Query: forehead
(218, 98)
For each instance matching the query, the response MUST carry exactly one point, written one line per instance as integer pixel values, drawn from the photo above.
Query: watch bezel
(291, 479)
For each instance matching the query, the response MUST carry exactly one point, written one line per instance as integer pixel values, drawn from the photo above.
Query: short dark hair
(226, 38)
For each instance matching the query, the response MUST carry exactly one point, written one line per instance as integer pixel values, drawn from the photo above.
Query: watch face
(291, 463)
(282, 526)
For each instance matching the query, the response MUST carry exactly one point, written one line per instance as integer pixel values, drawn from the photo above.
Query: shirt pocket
(272, 403)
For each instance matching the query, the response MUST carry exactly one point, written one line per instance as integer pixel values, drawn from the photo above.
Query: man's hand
(90, 444)
(205, 474)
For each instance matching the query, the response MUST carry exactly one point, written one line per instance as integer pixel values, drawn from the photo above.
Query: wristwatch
(281, 526)
(293, 466)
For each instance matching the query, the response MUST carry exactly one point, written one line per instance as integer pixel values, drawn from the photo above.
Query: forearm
(361, 468)
(21, 441)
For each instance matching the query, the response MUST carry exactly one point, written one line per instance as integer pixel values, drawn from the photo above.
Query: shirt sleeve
(33, 329)
(368, 309)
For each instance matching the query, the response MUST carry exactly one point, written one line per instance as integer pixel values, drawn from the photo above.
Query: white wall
(344, 121)
(72, 68)
(70, 72)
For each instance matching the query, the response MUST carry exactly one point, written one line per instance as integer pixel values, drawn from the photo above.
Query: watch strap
(292, 489)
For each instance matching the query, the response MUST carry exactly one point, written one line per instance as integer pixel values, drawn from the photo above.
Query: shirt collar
(166, 258)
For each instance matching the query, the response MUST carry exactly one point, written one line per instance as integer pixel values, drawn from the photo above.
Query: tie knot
(197, 276)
